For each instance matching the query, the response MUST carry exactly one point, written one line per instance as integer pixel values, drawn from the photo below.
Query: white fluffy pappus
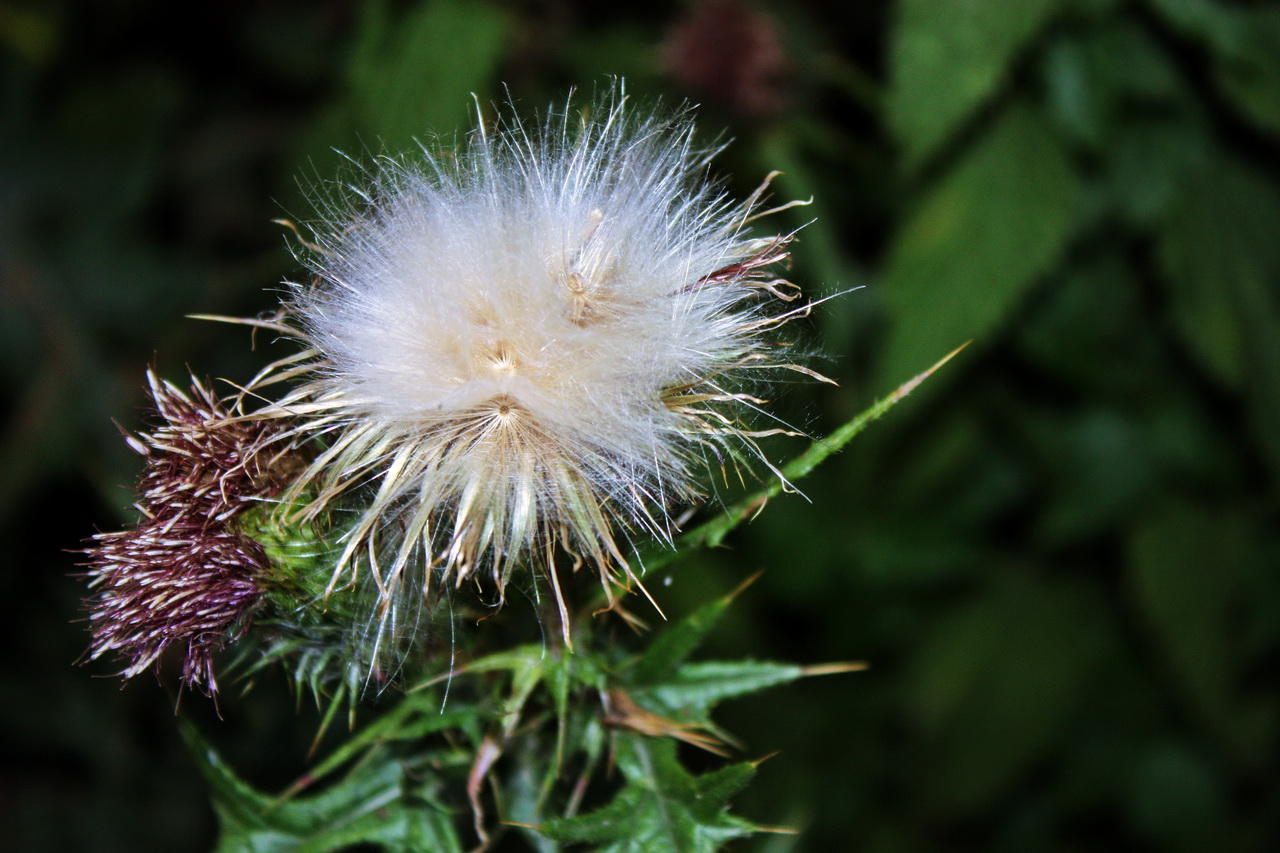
(527, 347)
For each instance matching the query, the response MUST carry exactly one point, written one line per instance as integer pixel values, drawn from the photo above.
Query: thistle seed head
(528, 347)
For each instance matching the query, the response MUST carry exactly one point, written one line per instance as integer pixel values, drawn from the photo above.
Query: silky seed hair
(525, 350)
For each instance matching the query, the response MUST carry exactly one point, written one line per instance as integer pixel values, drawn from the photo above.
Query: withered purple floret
(184, 575)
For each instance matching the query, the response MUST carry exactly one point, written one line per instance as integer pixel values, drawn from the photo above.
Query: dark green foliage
(406, 770)
(662, 807)
(978, 241)
(1059, 557)
(380, 802)
(948, 57)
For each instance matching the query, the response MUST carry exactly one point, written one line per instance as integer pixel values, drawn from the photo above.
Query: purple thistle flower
(184, 575)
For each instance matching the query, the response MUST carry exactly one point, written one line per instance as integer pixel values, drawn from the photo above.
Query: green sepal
(301, 558)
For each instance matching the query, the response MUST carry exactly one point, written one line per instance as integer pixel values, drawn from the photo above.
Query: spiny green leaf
(661, 806)
(695, 688)
(378, 802)
(414, 717)
(673, 646)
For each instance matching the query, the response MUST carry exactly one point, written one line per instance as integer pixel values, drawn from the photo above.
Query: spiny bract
(527, 345)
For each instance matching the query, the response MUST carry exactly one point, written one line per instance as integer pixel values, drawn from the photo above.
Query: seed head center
(502, 360)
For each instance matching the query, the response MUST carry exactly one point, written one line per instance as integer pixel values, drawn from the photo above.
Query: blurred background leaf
(949, 56)
(977, 242)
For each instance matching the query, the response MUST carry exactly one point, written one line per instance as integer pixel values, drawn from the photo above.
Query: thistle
(526, 353)
(534, 346)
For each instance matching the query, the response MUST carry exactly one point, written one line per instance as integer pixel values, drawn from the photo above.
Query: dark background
(1060, 556)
